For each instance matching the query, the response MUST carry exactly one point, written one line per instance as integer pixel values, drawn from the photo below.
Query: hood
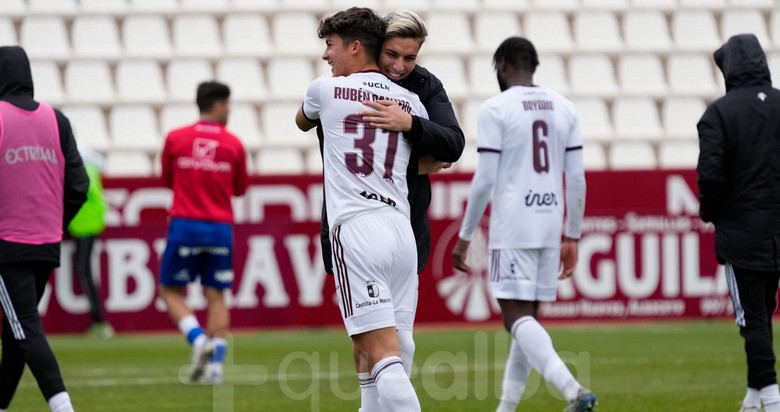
(15, 74)
(743, 62)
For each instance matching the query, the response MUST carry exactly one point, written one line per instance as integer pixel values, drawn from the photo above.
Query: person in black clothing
(739, 192)
(437, 142)
(43, 184)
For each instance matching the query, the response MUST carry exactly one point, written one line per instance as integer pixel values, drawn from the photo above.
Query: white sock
(406, 343)
(396, 392)
(771, 397)
(369, 397)
(60, 403)
(752, 398)
(535, 342)
(515, 377)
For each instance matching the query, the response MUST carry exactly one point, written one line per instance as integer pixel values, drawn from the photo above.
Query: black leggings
(24, 341)
(754, 294)
(84, 247)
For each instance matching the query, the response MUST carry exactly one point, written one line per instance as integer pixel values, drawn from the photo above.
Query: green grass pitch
(663, 366)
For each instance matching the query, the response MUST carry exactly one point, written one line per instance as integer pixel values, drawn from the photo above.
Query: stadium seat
(646, 30)
(245, 78)
(636, 118)
(634, 155)
(196, 36)
(134, 126)
(449, 32)
(469, 6)
(592, 75)
(593, 157)
(641, 75)
(450, 70)
(44, 37)
(468, 160)
(154, 6)
(741, 21)
(279, 129)
(89, 126)
(691, 74)
(492, 28)
(593, 116)
(13, 8)
(315, 6)
(664, 5)
(95, 37)
(551, 73)
(678, 154)
(758, 4)
(558, 5)
(612, 5)
(313, 161)
(482, 76)
(345, 4)
(695, 30)
(243, 122)
(7, 32)
(89, 81)
(680, 115)
(184, 76)
(147, 36)
(419, 6)
(549, 31)
(267, 6)
(774, 24)
(177, 115)
(118, 7)
(53, 7)
(703, 4)
(295, 34)
(289, 77)
(773, 60)
(247, 35)
(128, 164)
(597, 31)
(279, 161)
(468, 118)
(140, 81)
(47, 82)
(506, 5)
(204, 6)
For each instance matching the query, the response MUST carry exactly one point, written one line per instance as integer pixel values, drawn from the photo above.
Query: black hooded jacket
(16, 87)
(439, 136)
(739, 159)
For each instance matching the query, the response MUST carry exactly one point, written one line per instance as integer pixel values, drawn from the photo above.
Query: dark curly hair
(356, 23)
(518, 52)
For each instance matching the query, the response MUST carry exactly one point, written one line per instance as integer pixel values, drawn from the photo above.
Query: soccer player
(205, 165)
(528, 137)
(366, 201)
(43, 184)
(738, 189)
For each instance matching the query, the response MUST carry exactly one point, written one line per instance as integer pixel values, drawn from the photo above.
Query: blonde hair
(405, 23)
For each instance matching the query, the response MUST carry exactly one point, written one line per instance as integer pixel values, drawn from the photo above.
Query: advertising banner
(644, 254)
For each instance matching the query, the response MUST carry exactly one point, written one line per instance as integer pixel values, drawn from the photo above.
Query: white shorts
(524, 274)
(375, 269)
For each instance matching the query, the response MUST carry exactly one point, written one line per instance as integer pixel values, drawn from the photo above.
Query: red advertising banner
(644, 254)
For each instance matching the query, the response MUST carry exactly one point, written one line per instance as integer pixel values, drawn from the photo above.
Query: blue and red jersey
(205, 165)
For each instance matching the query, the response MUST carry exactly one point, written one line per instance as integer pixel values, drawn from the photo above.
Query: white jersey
(532, 128)
(364, 168)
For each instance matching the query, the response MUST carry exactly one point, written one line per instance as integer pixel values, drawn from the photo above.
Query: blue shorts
(198, 249)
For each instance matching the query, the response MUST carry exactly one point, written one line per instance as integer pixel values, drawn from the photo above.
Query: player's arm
(710, 168)
(241, 178)
(167, 164)
(575, 205)
(76, 182)
(303, 122)
(482, 186)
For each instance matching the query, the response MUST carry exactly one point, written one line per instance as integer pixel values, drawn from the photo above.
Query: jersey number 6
(541, 151)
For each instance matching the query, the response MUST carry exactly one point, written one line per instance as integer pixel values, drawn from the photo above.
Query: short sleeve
(575, 138)
(489, 129)
(313, 100)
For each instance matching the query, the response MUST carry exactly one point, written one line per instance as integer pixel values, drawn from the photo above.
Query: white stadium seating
(639, 72)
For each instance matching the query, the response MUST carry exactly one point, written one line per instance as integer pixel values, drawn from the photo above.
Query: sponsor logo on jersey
(224, 276)
(376, 85)
(374, 196)
(373, 289)
(541, 199)
(30, 154)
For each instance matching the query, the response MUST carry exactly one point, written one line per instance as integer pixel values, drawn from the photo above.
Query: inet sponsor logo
(30, 154)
